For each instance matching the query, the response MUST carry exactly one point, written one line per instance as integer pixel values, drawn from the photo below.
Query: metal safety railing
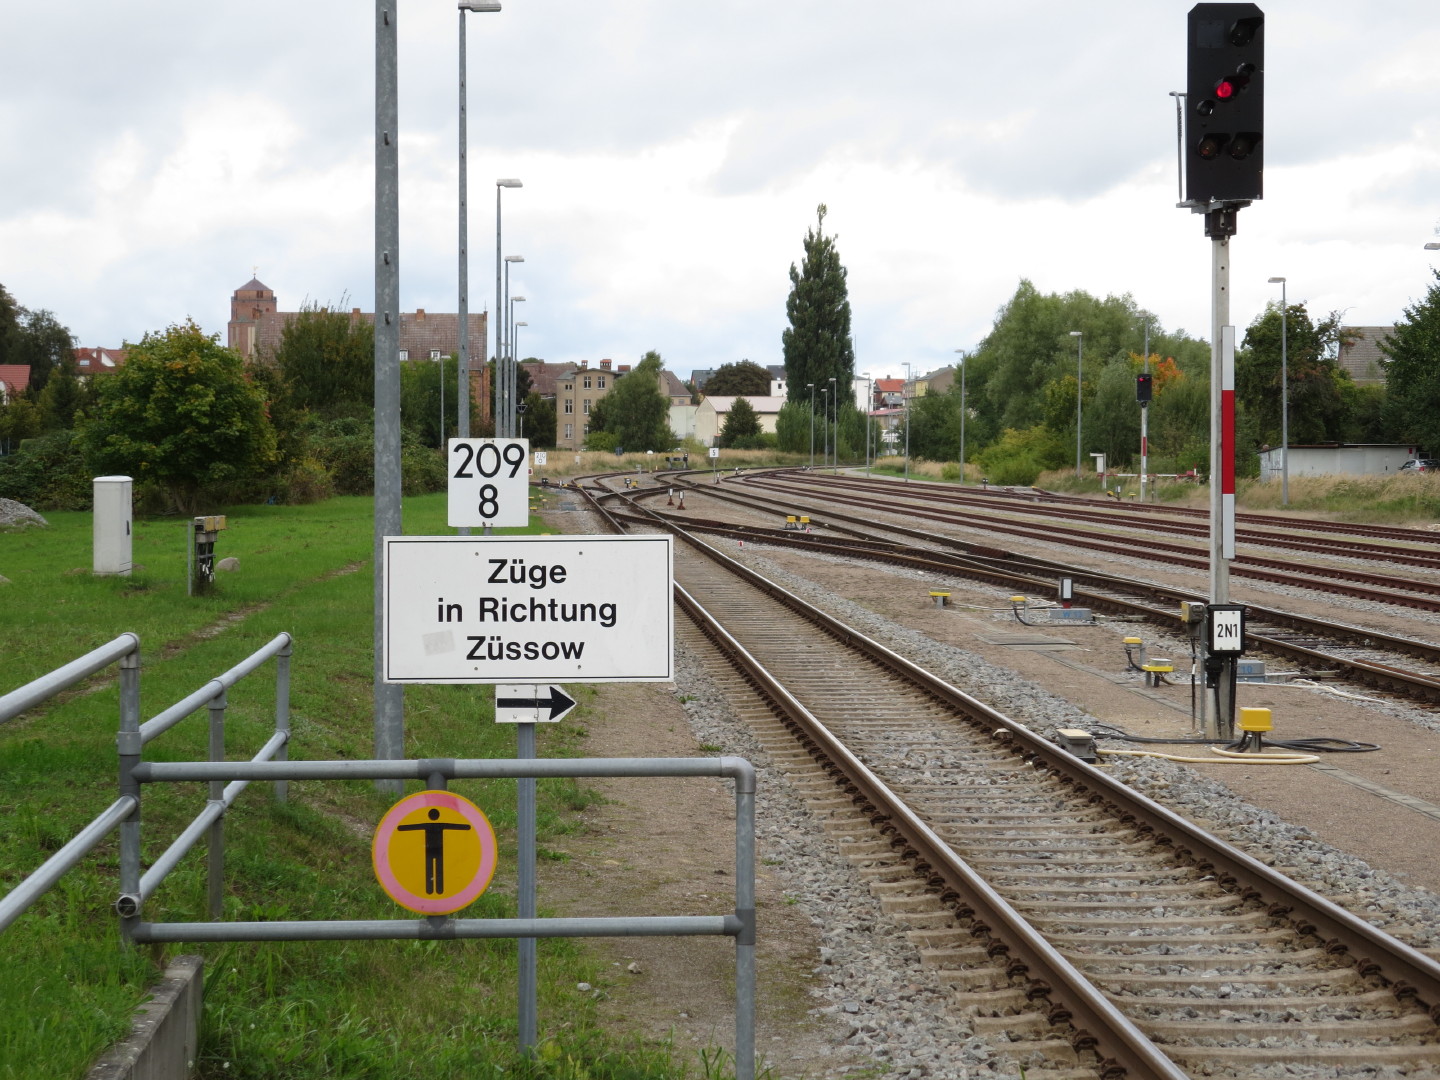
(124, 811)
(435, 773)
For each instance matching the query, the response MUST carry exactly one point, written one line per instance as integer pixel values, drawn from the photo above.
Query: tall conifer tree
(817, 343)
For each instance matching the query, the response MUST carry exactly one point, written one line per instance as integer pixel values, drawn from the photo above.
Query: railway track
(1323, 648)
(1089, 927)
(1420, 593)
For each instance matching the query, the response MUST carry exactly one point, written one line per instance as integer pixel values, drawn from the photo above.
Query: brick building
(256, 326)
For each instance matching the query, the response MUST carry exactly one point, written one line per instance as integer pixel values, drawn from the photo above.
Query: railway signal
(1144, 387)
(1225, 96)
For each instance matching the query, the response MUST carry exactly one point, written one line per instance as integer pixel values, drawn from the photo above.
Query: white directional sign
(527, 704)
(540, 457)
(489, 483)
(714, 451)
(528, 609)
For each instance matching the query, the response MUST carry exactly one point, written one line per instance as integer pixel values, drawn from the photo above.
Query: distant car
(1421, 464)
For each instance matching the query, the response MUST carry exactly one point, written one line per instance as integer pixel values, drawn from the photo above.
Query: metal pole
(282, 714)
(389, 701)
(869, 404)
(811, 388)
(835, 421)
(1215, 708)
(504, 430)
(215, 860)
(905, 397)
(962, 416)
(498, 389)
(825, 427)
(745, 940)
(128, 743)
(525, 854)
(1179, 142)
(463, 356)
(1145, 417)
(1284, 402)
(1079, 385)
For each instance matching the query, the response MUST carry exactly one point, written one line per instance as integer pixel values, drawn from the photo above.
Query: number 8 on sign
(489, 483)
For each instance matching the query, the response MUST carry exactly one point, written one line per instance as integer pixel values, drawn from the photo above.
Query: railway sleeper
(1192, 967)
(1358, 1057)
(1365, 1031)
(1378, 1002)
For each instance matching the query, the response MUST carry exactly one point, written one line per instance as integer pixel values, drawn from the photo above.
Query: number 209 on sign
(489, 483)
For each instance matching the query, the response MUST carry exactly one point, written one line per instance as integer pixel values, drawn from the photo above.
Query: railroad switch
(1077, 742)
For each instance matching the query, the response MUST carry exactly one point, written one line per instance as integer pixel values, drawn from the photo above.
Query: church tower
(249, 303)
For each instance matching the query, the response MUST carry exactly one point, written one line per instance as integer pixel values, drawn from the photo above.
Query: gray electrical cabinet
(113, 524)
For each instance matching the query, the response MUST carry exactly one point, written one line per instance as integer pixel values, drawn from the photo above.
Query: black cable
(1316, 744)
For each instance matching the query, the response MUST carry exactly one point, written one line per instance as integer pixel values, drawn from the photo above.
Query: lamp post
(500, 393)
(463, 351)
(824, 408)
(835, 411)
(905, 392)
(1145, 418)
(1079, 336)
(506, 358)
(811, 387)
(869, 404)
(510, 337)
(961, 353)
(1284, 398)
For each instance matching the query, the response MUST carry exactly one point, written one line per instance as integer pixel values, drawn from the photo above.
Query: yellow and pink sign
(434, 852)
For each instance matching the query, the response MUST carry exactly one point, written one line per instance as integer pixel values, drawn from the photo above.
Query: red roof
(13, 379)
(98, 361)
(889, 386)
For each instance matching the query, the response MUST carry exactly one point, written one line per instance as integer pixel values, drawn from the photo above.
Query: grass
(297, 1010)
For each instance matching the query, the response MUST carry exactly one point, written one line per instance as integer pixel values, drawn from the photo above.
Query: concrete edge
(165, 1032)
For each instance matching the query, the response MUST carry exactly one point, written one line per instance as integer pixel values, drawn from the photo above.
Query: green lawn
(299, 1010)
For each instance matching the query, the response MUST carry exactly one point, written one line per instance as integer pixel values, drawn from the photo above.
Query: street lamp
(905, 392)
(508, 358)
(1284, 399)
(1432, 246)
(1079, 336)
(869, 404)
(463, 351)
(501, 394)
(961, 353)
(1145, 417)
(811, 387)
(835, 410)
(824, 408)
(519, 406)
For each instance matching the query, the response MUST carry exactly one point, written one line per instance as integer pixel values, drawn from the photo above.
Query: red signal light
(1225, 90)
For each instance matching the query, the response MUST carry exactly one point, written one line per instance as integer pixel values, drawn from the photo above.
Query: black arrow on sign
(558, 701)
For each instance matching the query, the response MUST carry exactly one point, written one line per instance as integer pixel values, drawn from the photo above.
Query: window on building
(569, 406)
(585, 430)
(587, 406)
(569, 386)
(434, 354)
(569, 432)
(600, 382)
(404, 354)
(587, 382)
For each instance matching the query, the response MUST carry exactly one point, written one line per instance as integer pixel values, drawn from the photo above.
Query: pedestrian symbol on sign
(424, 869)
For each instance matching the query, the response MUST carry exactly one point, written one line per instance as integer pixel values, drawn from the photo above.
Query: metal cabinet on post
(112, 524)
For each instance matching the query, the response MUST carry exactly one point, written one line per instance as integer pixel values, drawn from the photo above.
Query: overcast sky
(160, 151)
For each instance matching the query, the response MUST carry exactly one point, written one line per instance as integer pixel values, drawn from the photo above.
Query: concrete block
(165, 1034)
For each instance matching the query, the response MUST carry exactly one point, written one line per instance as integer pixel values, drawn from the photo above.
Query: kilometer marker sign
(531, 609)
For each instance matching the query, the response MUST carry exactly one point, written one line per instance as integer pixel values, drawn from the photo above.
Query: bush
(48, 473)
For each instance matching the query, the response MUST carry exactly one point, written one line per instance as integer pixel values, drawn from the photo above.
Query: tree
(424, 384)
(328, 362)
(817, 343)
(740, 423)
(63, 396)
(635, 412)
(1412, 372)
(10, 313)
(1317, 384)
(44, 344)
(746, 378)
(539, 421)
(181, 414)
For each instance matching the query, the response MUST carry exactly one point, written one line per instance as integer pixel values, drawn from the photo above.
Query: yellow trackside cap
(1017, 600)
(1133, 641)
(1252, 719)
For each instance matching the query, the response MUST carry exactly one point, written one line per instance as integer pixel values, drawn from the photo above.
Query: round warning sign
(434, 852)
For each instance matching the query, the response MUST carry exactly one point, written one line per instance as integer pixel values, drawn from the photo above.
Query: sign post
(521, 611)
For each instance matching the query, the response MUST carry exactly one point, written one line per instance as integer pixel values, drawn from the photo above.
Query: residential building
(711, 413)
(14, 378)
(1360, 353)
(99, 361)
(577, 389)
